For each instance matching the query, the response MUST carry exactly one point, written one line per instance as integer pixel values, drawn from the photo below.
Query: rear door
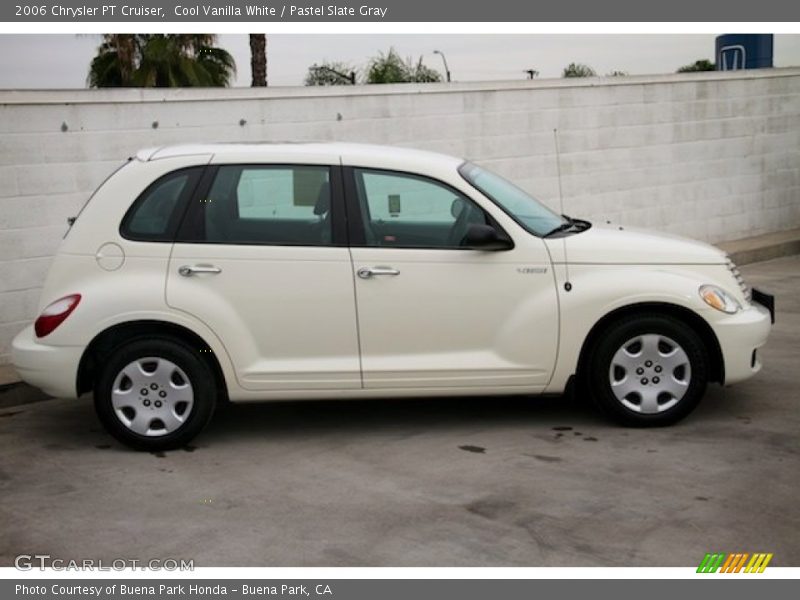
(262, 259)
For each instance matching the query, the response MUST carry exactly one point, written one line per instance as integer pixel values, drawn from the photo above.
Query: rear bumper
(53, 369)
(740, 336)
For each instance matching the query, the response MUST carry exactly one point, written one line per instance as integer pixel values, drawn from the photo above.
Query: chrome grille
(739, 279)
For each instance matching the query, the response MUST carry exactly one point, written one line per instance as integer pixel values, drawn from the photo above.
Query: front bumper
(53, 369)
(740, 336)
(765, 300)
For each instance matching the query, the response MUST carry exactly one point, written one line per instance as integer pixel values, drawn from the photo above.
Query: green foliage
(391, 68)
(387, 68)
(329, 73)
(158, 60)
(424, 74)
(578, 70)
(383, 68)
(617, 74)
(698, 65)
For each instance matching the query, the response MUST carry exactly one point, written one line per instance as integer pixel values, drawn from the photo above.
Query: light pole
(444, 60)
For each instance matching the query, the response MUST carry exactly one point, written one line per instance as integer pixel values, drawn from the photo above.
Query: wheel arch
(700, 326)
(111, 338)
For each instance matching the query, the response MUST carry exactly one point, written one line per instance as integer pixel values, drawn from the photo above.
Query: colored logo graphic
(734, 563)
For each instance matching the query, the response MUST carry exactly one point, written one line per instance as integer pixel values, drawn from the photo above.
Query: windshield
(525, 210)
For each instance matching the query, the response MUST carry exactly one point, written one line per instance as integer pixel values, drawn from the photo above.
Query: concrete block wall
(714, 156)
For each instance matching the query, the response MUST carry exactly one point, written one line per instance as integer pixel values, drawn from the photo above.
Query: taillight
(54, 314)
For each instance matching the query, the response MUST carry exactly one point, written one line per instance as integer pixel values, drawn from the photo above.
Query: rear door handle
(189, 270)
(370, 272)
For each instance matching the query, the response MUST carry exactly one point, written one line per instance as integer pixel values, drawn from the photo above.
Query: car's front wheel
(155, 394)
(648, 370)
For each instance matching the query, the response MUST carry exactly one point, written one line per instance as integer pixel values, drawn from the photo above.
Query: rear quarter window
(155, 215)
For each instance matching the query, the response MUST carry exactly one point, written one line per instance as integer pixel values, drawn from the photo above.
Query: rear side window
(156, 213)
(267, 204)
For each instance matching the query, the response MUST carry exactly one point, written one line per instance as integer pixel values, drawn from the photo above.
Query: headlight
(718, 298)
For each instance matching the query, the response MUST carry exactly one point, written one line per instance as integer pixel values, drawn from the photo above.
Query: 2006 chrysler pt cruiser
(198, 274)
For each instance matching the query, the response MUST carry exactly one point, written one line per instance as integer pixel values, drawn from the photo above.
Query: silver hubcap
(152, 396)
(650, 373)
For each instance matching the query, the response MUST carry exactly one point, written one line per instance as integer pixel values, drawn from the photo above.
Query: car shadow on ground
(288, 420)
(387, 414)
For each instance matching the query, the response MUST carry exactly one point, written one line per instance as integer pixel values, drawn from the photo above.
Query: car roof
(348, 153)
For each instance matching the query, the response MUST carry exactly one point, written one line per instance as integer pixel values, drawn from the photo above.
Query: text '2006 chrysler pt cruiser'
(200, 274)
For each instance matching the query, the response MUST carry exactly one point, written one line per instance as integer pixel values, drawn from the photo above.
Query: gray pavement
(454, 482)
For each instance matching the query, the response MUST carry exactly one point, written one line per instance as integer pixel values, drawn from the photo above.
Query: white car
(200, 274)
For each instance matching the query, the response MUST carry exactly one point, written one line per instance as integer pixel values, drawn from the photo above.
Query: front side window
(279, 205)
(527, 211)
(402, 210)
(155, 213)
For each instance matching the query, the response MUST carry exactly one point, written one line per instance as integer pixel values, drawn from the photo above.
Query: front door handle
(188, 271)
(370, 272)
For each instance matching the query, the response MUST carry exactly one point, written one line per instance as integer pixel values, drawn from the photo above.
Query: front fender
(598, 290)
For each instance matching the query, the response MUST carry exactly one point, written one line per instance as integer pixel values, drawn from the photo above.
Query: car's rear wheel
(648, 370)
(155, 394)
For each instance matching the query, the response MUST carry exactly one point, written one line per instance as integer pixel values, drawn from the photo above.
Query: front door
(259, 261)
(434, 314)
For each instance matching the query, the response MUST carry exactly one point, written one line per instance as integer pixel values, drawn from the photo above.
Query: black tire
(197, 371)
(598, 365)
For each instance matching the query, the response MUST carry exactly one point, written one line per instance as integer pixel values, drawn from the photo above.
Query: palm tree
(115, 61)
(156, 60)
(258, 59)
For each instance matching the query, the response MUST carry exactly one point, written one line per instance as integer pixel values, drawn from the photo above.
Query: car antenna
(567, 284)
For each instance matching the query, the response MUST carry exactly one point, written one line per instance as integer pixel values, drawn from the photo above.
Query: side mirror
(485, 237)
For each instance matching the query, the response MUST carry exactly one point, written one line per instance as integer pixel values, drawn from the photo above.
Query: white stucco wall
(714, 156)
